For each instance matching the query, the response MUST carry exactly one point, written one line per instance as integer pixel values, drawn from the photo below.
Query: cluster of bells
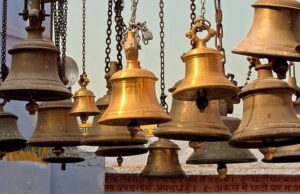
(269, 118)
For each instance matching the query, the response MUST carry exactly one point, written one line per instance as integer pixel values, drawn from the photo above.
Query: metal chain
(193, 16)
(64, 38)
(56, 25)
(252, 61)
(4, 68)
(133, 11)
(108, 37)
(83, 35)
(219, 30)
(119, 6)
(163, 96)
(203, 10)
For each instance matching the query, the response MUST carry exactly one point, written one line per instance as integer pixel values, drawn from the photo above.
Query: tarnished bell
(115, 151)
(163, 160)
(274, 31)
(55, 127)
(203, 75)
(67, 155)
(269, 119)
(10, 136)
(133, 98)
(105, 135)
(188, 123)
(84, 101)
(33, 74)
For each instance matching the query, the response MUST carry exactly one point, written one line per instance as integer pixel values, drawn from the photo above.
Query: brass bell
(10, 136)
(105, 135)
(269, 119)
(204, 77)
(163, 160)
(84, 101)
(188, 123)
(133, 98)
(63, 155)
(33, 74)
(274, 31)
(55, 127)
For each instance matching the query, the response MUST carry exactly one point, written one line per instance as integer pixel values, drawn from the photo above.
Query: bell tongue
(131, 51)
(196, 145)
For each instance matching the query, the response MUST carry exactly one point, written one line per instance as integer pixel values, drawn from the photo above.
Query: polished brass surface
(133, 98)
(33, 74)
(203, 72)
(55, 127)
(105, 135)
(163, 160)
(189, 123)
(10, 136)
(69, 155)
(269, 119)
(116, 151)
(274, 31)
(84, 101)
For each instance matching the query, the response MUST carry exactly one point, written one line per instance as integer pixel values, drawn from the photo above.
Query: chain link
(163, 96)
(133, 11)
(192, 16)
(63, 36)
(108, 37)
(219, 30)
(4, 68)
(203, 10)
(252, 61)
(83, 35)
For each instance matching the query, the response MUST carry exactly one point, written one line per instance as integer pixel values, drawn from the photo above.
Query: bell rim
(161, 173)
(137, 150)
(216, 161)
(12, 144)
(113, 142)
(34, 142)
(63, 159)
(125, 121)
(284, 159)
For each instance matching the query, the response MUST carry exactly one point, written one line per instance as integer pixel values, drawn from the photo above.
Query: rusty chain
(108, 35)
(219, 30)
(4, 68)
(192, 16)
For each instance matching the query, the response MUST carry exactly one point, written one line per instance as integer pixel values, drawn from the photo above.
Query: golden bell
(163, 160)
(133, 98)
(33, 74)
(105, 135)
(55, 127)
(203, 72)
(10, 136)
(189, 123)
(274, 31)
(269, 119)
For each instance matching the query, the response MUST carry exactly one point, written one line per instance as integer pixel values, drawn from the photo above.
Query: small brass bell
(55, 127)
(105, 135)
(274, 31)
(10, 136)
(188, 123)
(63, 155)
(203, 75)
(269, 119)
(33, 74)
(84, 101)
(163, 160)
(133, 98)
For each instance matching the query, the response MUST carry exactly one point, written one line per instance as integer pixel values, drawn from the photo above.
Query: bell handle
(83, 80)
(200, 25)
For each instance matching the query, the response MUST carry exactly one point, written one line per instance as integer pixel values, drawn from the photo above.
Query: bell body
(190, 124)
(33, 74)
(269, 119)
(70, 155)
(274, 31)
(10, 136)
(163, 160)
(55, 127)
(116, 151)
(133, 99)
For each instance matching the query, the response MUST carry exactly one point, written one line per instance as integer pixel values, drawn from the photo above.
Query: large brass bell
(274, 31)
(163, 160)
(33, 74)
(55, 127)
(10, 136)
(105, 135)
(188, 123)
(133, 98)
(269, 119)
(204, 77)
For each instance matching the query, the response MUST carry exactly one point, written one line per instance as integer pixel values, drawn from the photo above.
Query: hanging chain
(219, 30)
(252, 61)
(4, 68)
(203, 10)
(163, 96)
(56, 25)
(193, 17)
(64, 37)
(108, 37)
(133, 11)
(83, 35)
(120, 29)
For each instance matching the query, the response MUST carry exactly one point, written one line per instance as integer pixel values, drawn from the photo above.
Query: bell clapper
(133, 128)
(268, 152)
(202, 100)
(120, 161)
(2, 154)
(32, 107)
(279, 66)
(63, 166)
(58, 151)
(222, 170)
